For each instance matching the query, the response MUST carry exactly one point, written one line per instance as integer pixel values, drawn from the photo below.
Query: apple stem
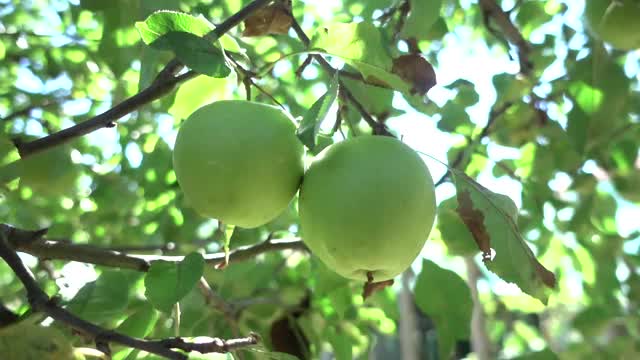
(371, 287)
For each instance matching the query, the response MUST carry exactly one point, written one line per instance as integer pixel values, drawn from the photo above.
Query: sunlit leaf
(185, 35)
(492, 220)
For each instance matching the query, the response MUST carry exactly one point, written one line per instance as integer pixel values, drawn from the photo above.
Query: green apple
(50, 172)
(616, 22)
(238, 161)
(27, 341)
(367, 205)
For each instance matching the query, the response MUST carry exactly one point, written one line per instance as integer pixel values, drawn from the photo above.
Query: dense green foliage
(530, 102)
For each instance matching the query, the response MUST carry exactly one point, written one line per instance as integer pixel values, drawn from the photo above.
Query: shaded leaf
(311, 123)
(167, 283)
(186, 36)
(445, 297)
(196, 52)
(455, 235)
(102, 299)
(422, 16)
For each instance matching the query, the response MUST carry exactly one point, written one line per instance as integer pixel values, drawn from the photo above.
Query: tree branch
(378, 127)
(7, 317)
(491, 10)
(40, 301)
(164, 83)
(480, 342)
(59, 250)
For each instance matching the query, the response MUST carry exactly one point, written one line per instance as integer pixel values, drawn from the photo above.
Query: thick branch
(165, 82)
(56, 250)
(7, 316)
(40, 301)
(155, 91)
(491, 10)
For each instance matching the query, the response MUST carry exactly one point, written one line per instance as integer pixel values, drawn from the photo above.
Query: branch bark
(164, 83)
(40, 301)
(491, 10)
(56, 250)
(480, 341)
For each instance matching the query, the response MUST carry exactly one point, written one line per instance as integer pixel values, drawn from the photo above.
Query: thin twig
(216, 301)
(491, 10)
(248, 76)
(378, 128)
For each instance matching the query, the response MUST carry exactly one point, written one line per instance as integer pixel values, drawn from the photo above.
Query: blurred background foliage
(562, 143)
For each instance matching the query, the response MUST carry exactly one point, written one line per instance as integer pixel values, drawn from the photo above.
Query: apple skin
(29, 341)
(50, 173)
(367, 204)
(239, 162)
(615, 22)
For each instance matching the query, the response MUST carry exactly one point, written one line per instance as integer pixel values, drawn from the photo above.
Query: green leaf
(455, 235)
(445, 297)
(342, 346)
(186, 36)
(454, 117)
(196, 52)
(376, 100)
(139, 325)
(103, 299)
(163, 22)
(167, 282)
(492, 220)
(361, 46)
(467, 95)
(196, 93)
(422, 16)
(311, 123)
(545, 354)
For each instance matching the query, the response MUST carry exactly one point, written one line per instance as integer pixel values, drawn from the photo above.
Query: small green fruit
(238, 161)
(26, 341)
(367, 204)
(50, 172)
(615, 22)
